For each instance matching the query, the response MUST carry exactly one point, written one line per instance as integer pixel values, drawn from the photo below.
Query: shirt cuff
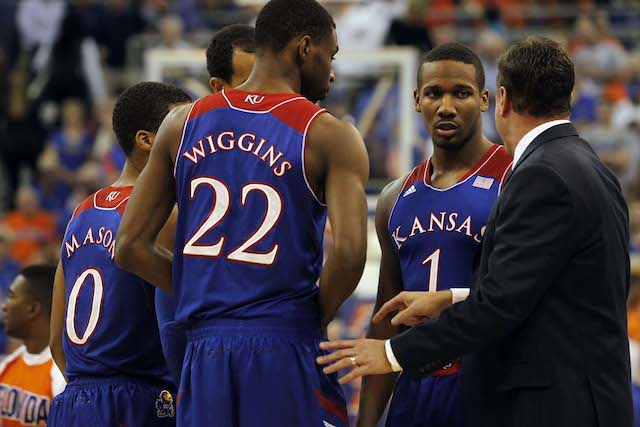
(391, 357)
(459, 294)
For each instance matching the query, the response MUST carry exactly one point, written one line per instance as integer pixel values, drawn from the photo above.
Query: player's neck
(38, 340)
(272, 74)
(129, 175)
(451, 161)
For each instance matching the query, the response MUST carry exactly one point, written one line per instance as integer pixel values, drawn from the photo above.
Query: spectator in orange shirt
(633, 310)
(29, 379)
(32, 228)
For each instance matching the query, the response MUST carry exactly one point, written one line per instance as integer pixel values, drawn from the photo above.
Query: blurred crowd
(62, 63)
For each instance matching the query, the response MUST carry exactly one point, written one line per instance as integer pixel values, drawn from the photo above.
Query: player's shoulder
(200, 106)
(298, 113)
(108, 198)
(497, 161)
(391, 191)
(331, 129)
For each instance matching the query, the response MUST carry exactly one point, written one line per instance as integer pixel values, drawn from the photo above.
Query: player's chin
(321, 96)
(453, 143)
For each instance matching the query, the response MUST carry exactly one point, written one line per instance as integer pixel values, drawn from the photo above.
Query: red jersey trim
(83, 206)
(332, 407)
(500, 163)
(267, 107)
(101, 198)
(473, 171)
(206, 104)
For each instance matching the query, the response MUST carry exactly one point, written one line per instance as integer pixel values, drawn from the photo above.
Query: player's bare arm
(376, 391)
(57, 319)
(167, 236)
(337, 161)
(152, 199)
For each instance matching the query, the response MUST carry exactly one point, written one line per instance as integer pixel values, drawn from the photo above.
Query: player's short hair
(538, 76)
(454, 52)
(280, 21)
(40, 283)
(143, 106)
(220, 50)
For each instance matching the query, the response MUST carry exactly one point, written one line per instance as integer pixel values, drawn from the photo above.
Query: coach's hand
(363, 356)
(414, 307)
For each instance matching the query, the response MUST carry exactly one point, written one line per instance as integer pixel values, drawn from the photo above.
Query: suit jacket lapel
(559, 131)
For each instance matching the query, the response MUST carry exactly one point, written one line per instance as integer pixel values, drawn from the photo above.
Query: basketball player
(429, 225)
(28, 377)
(230, 58)
(103, 317)
(256, 170)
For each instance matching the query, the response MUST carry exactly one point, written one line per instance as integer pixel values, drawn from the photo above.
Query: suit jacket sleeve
(532, 241)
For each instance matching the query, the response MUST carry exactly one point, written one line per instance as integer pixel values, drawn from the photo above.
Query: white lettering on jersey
(27, 408)
(267, 153)
(445, 221)
(254, 99)
(105, 238)
(113, 196)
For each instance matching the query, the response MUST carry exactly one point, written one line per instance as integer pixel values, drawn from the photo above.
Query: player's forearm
(150, 262)
(57, 353)
(339, 278)
(377, 389)
(374, 395)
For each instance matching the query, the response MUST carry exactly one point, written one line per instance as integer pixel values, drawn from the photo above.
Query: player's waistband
(83, 381)
(448, 369)
(306, 328)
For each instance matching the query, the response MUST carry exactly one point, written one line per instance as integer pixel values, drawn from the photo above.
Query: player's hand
(414, 307)
(363, 356)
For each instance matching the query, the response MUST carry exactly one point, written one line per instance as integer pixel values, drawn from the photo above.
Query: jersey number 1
(434, 259)
(222, 202)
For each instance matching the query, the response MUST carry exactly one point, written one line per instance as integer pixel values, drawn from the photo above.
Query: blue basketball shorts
(252, 373)
(113, 402)
(434, 401)
(174, 343)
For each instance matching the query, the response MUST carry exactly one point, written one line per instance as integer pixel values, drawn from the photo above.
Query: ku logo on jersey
(164, 405)
(113, 196)
(254, 99)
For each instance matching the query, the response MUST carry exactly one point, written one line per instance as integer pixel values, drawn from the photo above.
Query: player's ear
(304, 48)
(217, 84)
(35, 309)
(144, 140)
(484, 101)
(416, 97)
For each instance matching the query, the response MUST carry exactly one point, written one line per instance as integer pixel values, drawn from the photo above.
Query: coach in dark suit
(544, 330)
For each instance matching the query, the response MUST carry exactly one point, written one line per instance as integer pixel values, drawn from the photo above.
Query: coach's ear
(144, 140)
(502, 102)
(217, 84)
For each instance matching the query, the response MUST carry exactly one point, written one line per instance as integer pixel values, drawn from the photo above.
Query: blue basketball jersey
(437, 231)
(250, 230)
(110, 324)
